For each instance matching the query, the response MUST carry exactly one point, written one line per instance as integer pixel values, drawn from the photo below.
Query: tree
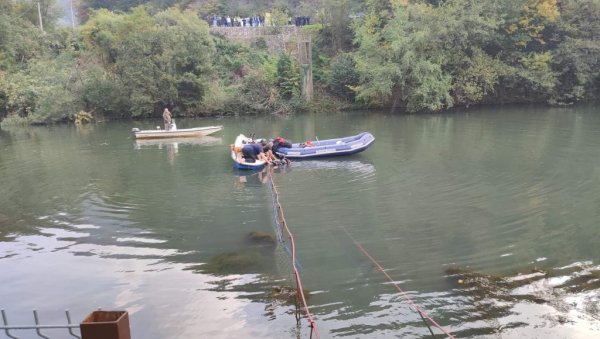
(161, 60)
(336, 18)
(575, 60)
(288, 78)
(530, 20)
(343, 77)
(43, 92)
(399, 63)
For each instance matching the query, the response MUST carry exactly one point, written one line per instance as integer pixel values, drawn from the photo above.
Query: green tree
(43, 92)
(426, 57)
(288, 77)
(20, 38)
(399, 62)
(336, 32)
(161, 60)
(343, 77)
(575, 58)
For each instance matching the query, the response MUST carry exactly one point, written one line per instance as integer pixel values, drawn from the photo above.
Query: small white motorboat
(173, 132)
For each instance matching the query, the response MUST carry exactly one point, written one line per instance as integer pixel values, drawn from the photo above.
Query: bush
(261, 43)
(83, 117)
(288, 78)
(343, 77)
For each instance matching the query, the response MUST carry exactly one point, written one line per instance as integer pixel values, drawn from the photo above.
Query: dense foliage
(461, 52)
(132, 58)
(152, 61)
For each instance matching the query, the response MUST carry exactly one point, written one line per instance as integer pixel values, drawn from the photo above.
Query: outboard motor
(135, 130)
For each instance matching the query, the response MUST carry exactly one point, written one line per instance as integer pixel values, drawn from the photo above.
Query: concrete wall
(290, 39)
(280, 38)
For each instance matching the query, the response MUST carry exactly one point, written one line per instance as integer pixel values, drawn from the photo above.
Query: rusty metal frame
(37, 326)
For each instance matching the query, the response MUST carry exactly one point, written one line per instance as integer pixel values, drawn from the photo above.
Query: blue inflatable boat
(328, 148)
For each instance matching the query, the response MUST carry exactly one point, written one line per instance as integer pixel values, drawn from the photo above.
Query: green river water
(508, 197)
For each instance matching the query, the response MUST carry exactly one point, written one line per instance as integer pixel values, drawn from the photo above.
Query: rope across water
(280, 221)
(403, 294)
(279, 217)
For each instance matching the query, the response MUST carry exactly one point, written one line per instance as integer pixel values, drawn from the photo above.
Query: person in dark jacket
(253, 152)
(249, 153)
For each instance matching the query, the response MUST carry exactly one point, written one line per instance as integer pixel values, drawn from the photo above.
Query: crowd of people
(301, 21)
(254, 21)
(237, 21)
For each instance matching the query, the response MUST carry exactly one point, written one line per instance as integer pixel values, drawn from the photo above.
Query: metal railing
(37, 326)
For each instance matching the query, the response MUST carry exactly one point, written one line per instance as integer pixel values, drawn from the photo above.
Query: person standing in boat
(167, 117)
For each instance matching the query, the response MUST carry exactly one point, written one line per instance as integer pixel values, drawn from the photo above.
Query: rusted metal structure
(287, 39)
(97, 325)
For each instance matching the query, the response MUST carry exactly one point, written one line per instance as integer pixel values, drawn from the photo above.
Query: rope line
(300, 297)
(300, 290)
(278, 230)
(403, 294)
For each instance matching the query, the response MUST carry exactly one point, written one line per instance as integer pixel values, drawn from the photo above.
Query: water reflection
(563, 296)
(175, 142)
(243, 178)
(107, 225)
(172, 144)
(362, 168)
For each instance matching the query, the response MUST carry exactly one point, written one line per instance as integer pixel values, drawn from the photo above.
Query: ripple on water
(492, 192)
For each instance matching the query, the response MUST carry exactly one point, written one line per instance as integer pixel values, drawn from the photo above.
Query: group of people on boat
(262, 149)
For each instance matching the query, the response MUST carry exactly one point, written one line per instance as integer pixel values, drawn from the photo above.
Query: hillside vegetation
(130, 59)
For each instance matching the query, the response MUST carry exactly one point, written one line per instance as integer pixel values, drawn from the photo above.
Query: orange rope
(402, 293)
(294, 268)
(313, 326)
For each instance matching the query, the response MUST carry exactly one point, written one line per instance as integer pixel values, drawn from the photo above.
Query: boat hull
(329, 148)
(242, 165)
(179, 133)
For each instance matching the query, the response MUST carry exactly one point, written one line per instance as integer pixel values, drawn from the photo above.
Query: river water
(488, 219)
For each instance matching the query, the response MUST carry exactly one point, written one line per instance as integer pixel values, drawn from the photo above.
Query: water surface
(90, 218)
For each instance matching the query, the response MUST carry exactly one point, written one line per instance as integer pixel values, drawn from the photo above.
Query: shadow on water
(259, 256)
(5, 136)
(7, 227)
(255, 257)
